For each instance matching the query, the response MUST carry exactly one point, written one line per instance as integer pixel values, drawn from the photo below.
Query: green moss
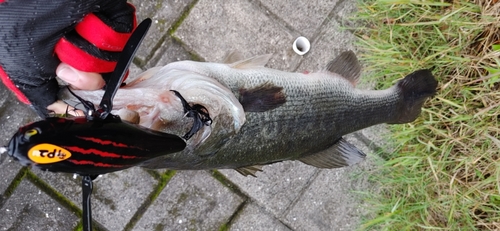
(78, 227)
(181, 19)
(158, 5)
(182, 197)
(46, 188)
(227, 183)
(192, 55)
(162, 183)
(235, 189)
(140, 62)
(227, 225)
(159, 227)
(15, 182)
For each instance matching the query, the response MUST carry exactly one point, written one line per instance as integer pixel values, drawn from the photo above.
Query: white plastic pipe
(301, 45)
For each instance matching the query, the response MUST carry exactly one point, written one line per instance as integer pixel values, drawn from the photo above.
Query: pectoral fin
(249, 170)
(262, 98)
(338, 155)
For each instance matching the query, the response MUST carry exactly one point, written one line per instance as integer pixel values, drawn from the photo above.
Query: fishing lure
(100, 142)
(89, 147)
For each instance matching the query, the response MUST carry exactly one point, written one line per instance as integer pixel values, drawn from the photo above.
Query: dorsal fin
(346, 65)
(143, 76)
(233, 57)
(341, 154)
(256, 61)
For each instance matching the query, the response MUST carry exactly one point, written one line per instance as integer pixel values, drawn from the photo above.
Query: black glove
(38, 35)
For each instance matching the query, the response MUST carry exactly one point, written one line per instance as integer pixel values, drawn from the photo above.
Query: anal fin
(249, 170)
(341, 154)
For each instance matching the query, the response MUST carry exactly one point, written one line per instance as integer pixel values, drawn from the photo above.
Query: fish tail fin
(415, 89)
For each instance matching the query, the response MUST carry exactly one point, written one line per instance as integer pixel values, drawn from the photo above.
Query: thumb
(79, 79)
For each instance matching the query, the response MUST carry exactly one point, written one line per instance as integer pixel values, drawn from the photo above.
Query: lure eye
(30, 133)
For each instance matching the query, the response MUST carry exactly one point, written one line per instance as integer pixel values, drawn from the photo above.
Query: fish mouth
(198, 112)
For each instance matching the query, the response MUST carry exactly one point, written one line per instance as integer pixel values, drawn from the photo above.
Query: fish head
(167, 115)
(151, 97)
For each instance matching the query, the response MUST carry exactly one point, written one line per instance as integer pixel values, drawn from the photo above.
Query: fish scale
(261, 115)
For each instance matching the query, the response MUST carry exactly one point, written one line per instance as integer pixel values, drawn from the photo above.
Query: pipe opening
(301, 45)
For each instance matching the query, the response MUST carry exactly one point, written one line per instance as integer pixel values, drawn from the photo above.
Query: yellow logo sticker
(48, 154)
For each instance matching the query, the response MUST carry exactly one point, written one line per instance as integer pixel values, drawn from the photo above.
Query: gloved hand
(79, 39)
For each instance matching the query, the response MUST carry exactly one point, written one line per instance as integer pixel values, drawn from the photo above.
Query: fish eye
(30, 133)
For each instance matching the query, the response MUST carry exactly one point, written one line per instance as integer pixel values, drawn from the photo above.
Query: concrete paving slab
(277, 186)
(163, 14)
(213, 28)
(8, 171)
(31, 209)
(134, 72)
(115, 198)
(331, 41)
(376, 137)
(192, 200)
(13, 114)
(171, 51)
(330, 202)
(304, 16)
(254, 217)
(343, 11)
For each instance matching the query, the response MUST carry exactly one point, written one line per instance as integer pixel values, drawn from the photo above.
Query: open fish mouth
(198, 112)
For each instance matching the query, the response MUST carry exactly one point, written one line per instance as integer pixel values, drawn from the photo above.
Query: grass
(445, 171)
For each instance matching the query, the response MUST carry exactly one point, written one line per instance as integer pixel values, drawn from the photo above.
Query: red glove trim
(81, 60)
(92, 29)
(9, 84)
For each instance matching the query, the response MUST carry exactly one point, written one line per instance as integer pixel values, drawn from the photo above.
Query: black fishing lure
(100, 142)
(89, 147)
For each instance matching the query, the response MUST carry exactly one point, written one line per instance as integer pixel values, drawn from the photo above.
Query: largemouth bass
(262, 115)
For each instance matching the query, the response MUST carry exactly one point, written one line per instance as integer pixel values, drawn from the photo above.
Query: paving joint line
(226, 226)
(301, 193)
(339, 19)
(377, 150)
(59, 198)
(228, 183)
(162, 183)
(171, 30)
(193, 55)
(21, 174)
(275, 17)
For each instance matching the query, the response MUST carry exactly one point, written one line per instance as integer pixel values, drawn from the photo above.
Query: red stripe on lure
(107, 142)
(99, 153)
(89, 147)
